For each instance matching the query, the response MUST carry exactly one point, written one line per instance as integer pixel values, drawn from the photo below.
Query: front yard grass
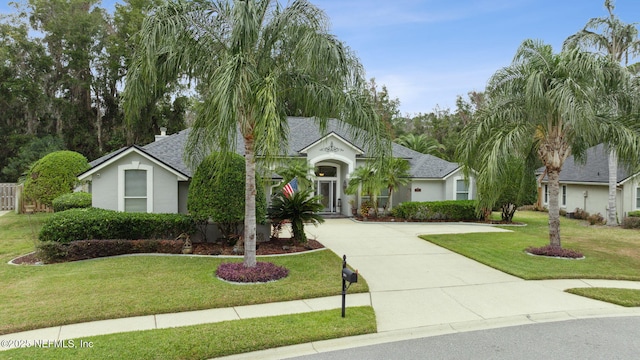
(214, 340)
(610, 253)
(43, 296)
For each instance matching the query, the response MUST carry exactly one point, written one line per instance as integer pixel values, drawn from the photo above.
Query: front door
(327, 188)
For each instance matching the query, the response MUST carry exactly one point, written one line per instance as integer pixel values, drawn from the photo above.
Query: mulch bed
(271, 247)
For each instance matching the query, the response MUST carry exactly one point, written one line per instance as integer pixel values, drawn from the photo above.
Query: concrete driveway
(414, 283)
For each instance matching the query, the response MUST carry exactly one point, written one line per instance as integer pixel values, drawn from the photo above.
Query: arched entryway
(326, 185)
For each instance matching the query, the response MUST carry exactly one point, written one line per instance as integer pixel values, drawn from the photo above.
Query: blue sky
(429, 51)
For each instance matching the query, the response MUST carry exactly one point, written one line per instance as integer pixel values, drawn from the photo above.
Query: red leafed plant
(262, 272)
(555, 252)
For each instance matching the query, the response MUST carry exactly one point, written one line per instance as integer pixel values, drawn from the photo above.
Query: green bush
(92, 223)
(453, 210)
(634, 213)
(221, 199)
(54, 175)
(52, 252)
(74, 200)
(631, 223)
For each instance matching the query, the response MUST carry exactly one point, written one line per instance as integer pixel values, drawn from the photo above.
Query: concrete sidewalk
(417, 289)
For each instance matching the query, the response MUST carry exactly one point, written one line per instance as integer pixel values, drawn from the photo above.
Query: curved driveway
(415, 284)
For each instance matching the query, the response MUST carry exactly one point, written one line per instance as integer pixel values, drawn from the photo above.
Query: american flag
(290, 188)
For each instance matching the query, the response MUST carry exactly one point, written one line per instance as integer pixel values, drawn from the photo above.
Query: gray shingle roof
(595, 169)
(302, 133)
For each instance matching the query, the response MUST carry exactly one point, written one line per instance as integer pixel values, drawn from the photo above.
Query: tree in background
(421, 143)
(250, 58)
(618, 41)
(54, 175)
(545, 102)
(29, 154)
(220, 197)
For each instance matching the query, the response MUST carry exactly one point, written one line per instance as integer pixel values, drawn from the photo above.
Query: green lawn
(42, 296)
(212, 340)
(610, 253)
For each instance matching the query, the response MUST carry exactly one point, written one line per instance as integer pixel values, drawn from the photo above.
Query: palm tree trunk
(554, 208)
(613, 180)
(250, 203)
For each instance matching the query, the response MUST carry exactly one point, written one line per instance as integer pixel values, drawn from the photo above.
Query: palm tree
(395, 173)
(543, 101)
(421, 143)
(366, 179)
(296, 169)
(251, 59)
(618, 41)
(299, 208)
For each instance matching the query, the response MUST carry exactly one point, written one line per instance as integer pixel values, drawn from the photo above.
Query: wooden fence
(11, 197)
(7, 196)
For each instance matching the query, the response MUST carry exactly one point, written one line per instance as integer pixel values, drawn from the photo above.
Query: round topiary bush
(262, 272)
(221, 199)
(74, 200)
(53, 175)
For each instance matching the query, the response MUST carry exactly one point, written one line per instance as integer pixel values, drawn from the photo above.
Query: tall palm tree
(546, 102)
(252, 59)
(618, 41)
(395, 173)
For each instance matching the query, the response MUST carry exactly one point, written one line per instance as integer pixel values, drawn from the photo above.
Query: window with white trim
(638, 197)
(462, 189)
(546, 194)
(135, 187)
(564, 196)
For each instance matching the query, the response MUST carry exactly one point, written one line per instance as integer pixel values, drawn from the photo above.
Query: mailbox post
(347, 276)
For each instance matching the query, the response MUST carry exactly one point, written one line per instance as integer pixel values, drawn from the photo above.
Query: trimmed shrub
(92, 223)
(634, 213)
(54, 175)
(221, 199)
(453, 210)
(52, 252)
(631, 223)
(74, 200)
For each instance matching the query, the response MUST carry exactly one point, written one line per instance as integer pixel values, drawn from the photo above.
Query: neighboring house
(586, 186)
(154, 177)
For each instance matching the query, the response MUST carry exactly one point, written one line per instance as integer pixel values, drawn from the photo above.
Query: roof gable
(331, 137)
(109, 159)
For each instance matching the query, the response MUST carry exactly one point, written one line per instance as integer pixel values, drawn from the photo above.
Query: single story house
(586, 186)
(154, 177)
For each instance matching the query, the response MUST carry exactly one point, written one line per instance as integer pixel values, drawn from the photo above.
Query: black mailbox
(350, 276)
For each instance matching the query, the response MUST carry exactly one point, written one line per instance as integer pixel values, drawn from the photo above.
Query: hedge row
(75, 200)
(92, 223)
(453, 210)
(52, 252)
